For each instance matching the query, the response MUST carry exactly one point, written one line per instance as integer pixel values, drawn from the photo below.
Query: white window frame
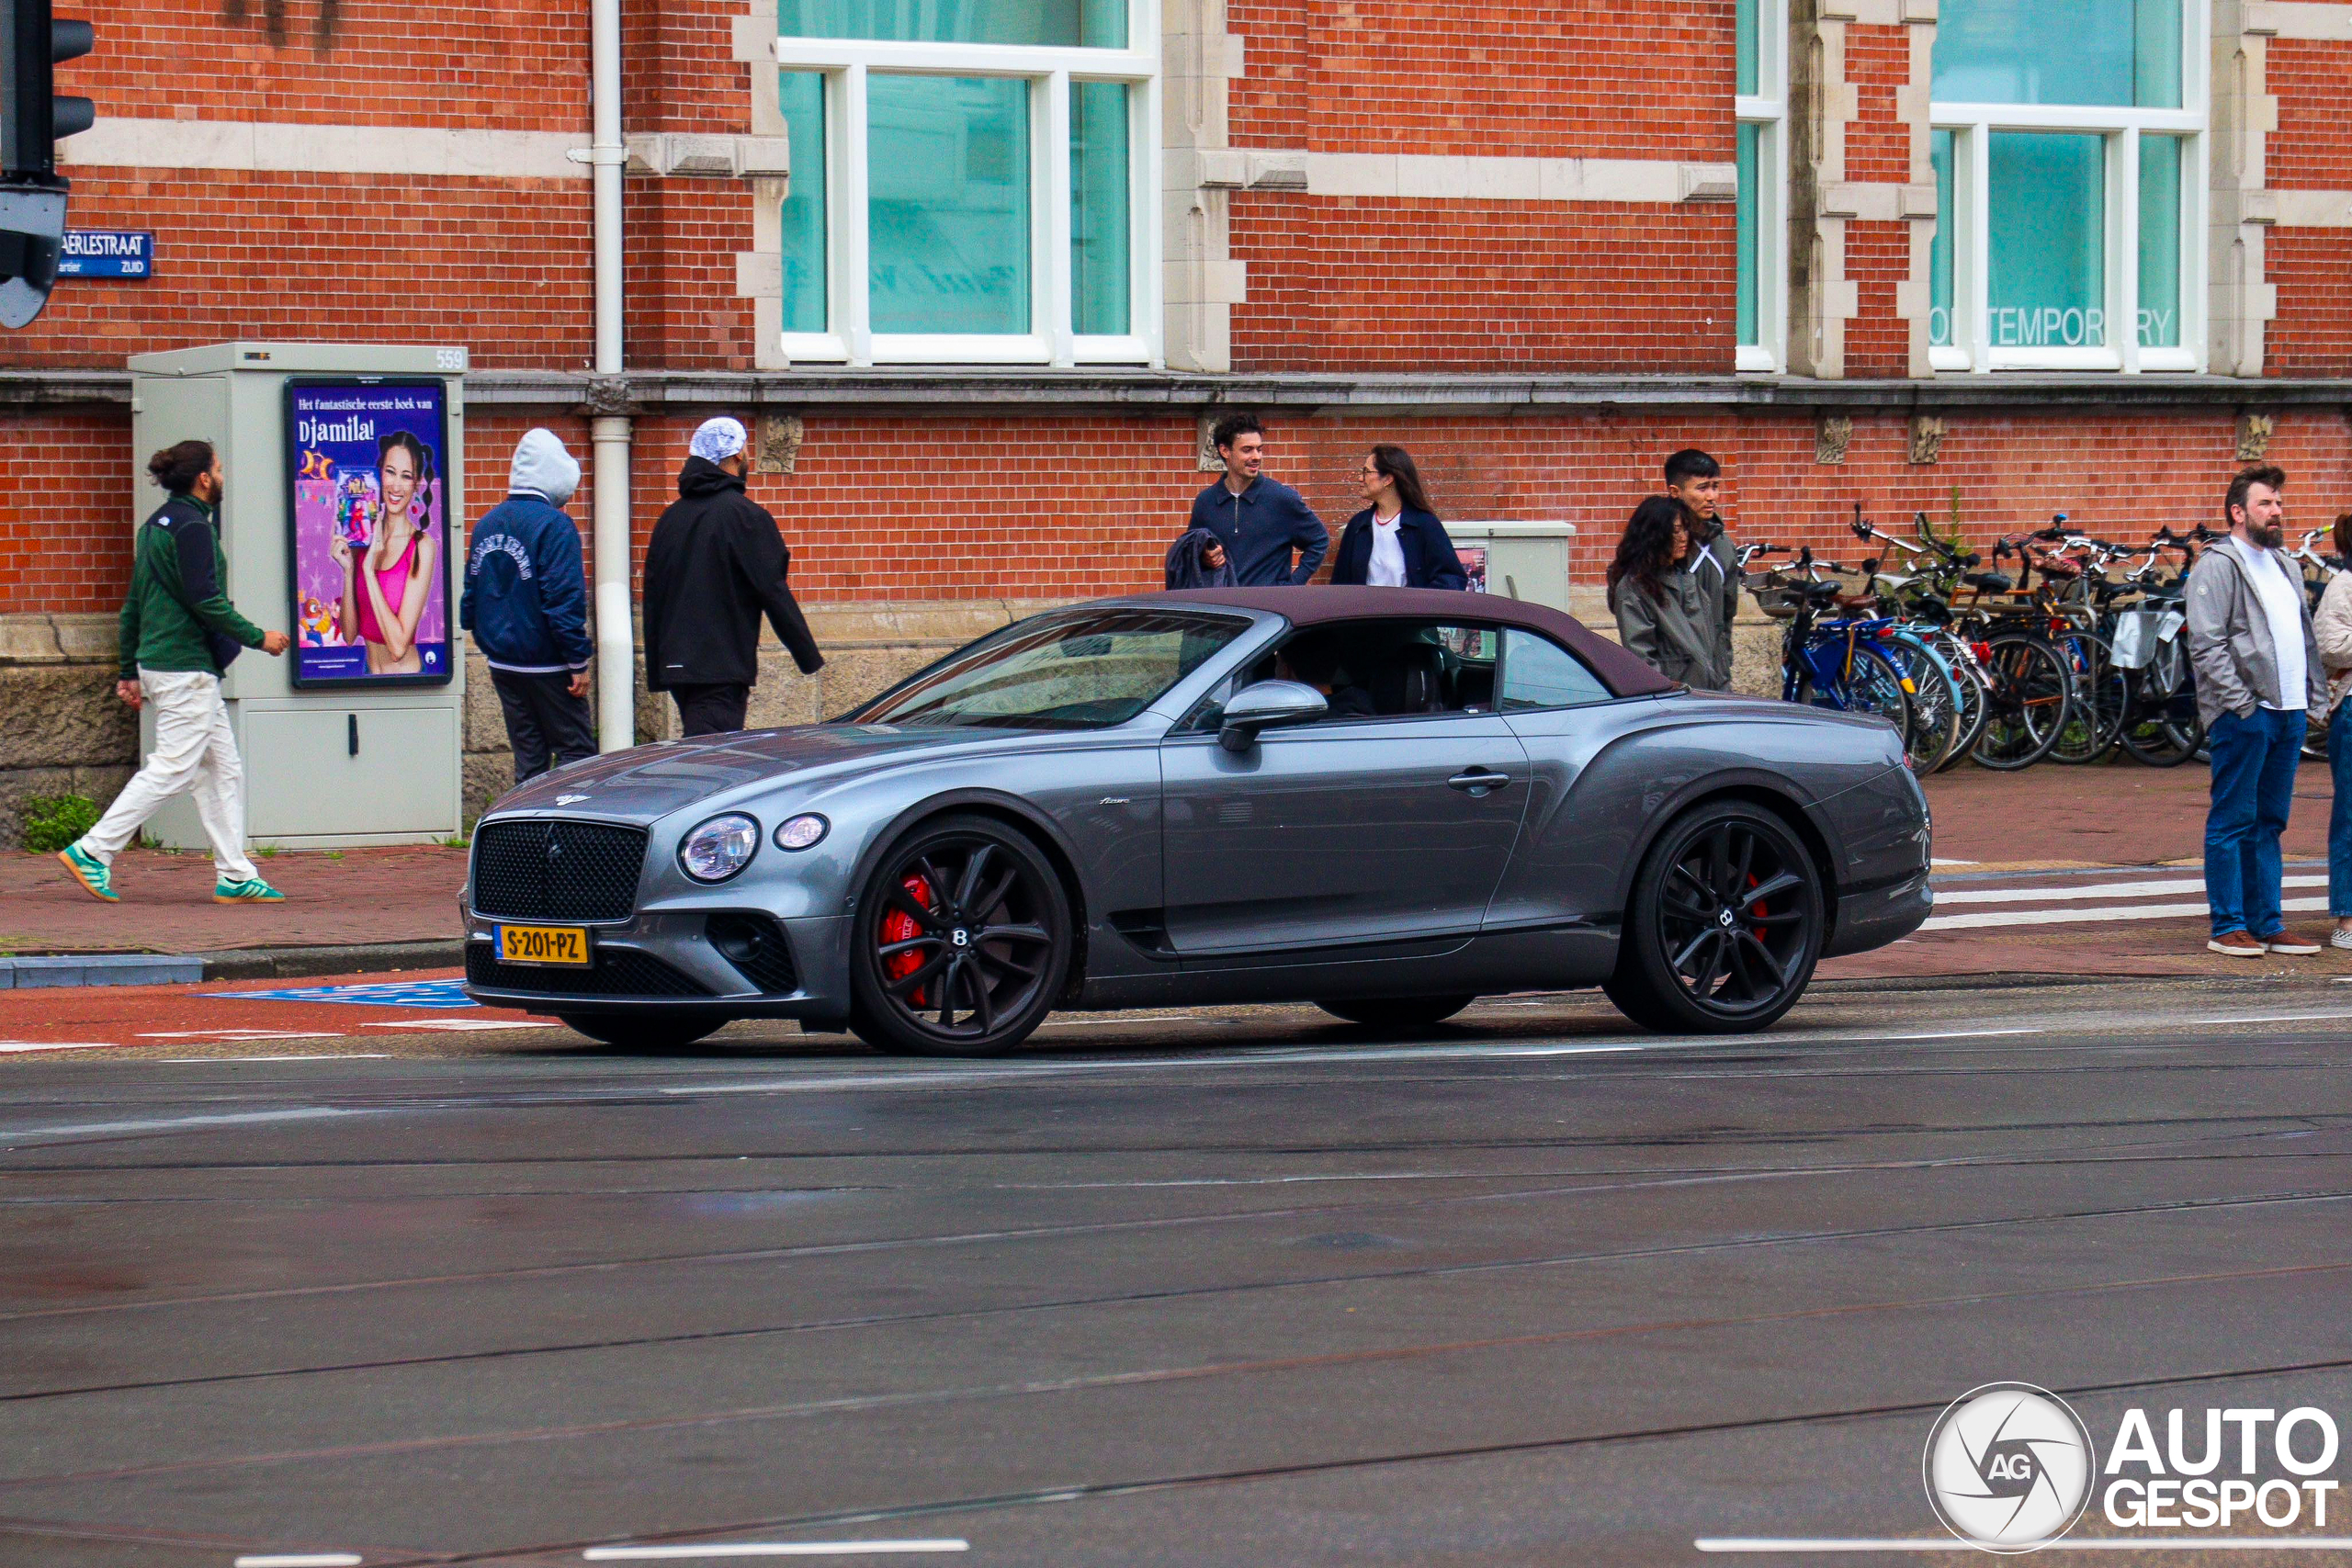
(1971, 124)
(1052, 338)
(1767, 107)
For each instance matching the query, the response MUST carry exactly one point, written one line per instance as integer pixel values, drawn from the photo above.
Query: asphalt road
(1257, 1290)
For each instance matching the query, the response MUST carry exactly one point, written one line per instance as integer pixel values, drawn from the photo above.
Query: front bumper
(666, 961)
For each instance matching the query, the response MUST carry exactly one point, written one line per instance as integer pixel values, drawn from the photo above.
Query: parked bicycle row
(2066, 646)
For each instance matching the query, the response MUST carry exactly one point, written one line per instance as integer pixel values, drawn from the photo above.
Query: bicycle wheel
(2102, 692)
(1873, 686)
(2031, 696)
(1935, 703)
(1975, 701)
(2160, 725)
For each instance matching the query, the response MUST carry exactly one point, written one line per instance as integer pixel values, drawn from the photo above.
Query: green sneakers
(256, 891)
(90, 872)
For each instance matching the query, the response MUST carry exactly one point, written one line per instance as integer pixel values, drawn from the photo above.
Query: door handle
(1478, 781)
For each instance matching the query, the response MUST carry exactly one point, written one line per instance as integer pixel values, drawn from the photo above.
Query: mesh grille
(557, 870)
(616, 971)
(756, 945)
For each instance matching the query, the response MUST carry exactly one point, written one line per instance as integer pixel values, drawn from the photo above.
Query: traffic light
(32, 117)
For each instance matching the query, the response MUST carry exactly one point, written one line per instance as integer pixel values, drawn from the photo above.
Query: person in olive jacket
(179, 632)
(715, 563)
(1396, 542)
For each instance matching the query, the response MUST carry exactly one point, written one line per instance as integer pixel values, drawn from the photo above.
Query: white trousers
(194, 751)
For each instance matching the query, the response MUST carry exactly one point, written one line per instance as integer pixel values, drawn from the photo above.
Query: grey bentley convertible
(1386, 802)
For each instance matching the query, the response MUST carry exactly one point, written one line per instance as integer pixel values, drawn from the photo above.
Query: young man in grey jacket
(2258, 678)
(1695, 479)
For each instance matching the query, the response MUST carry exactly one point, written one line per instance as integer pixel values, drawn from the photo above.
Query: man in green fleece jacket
(179, 632)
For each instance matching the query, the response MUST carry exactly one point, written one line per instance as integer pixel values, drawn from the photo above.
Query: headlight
(720, 848)
(801, 831)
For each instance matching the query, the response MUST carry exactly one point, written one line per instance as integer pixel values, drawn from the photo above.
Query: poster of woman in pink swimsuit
(371, 504)
(386, 590)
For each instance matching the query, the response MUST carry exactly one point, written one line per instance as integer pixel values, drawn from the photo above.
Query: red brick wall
(66, 510)
(1435, 77)
(1878, 258)
(2313, 271)
(1878, 142)
(503, 267)
(890, 506)
(496, 65)
(1374, 283)
(2312, 148)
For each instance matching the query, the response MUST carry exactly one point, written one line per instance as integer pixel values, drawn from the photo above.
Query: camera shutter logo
(2010, 1467)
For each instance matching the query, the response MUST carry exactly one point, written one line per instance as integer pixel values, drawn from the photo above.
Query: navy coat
(1430, 560)
(1260, 528)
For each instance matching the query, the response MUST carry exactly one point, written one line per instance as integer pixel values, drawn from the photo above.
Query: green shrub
(52, 821)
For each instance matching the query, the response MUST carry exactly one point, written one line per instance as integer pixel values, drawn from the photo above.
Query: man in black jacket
(714, 562)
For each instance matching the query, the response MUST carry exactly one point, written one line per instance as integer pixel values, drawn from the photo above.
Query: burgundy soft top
(1321, 605)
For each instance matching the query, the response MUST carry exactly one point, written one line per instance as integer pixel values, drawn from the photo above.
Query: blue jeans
(2254, 788)
(2339, 816)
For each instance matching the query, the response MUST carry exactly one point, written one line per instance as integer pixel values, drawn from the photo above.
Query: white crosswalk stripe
(2046, 899)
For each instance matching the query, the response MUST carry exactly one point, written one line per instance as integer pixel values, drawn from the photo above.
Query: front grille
(615, 972)
(556, 870)
(756, 945)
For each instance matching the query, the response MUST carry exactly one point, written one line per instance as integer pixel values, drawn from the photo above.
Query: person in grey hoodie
(2259, 678)
(526, 603)
(1666, 617)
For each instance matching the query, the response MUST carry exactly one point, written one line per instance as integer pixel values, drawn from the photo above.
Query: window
(1763, 108)
(1539, 674)
(2068, 148)
(1081, 669)
(971, 181)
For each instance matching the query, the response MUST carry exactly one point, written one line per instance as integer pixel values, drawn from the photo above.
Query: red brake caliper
(1756, 910)
(898, 925)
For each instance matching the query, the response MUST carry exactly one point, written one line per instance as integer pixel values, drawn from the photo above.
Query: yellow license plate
(543, 944)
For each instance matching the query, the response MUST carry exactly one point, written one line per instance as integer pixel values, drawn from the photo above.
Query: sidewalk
(2013, 834)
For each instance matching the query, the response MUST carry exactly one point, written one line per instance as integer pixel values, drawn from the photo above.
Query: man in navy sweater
(526, 603)
(1259, 521)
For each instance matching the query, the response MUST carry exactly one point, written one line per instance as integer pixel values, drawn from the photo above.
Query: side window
(1540, 674)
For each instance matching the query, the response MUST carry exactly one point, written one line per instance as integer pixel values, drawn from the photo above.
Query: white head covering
(543, 468)
(719, 439)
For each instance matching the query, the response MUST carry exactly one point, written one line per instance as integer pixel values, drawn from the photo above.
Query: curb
(237, 963)
(2014, 980)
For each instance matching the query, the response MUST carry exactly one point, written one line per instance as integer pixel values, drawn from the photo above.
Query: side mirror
(1269, 705)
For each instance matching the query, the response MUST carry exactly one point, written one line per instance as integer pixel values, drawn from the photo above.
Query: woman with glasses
(1395, 541)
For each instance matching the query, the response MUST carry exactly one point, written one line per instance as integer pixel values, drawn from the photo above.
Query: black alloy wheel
(1724, 925)
(1398, 1012)
(652, 1030)
(962, 941)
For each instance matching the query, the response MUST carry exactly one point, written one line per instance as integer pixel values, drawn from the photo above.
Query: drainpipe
(615, 672)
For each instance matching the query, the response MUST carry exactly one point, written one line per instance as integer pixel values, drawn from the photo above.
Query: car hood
(649, 781)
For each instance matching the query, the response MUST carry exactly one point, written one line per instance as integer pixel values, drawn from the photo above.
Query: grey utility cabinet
(372, 762)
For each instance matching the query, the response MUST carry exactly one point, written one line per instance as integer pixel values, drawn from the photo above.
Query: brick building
(980, 270)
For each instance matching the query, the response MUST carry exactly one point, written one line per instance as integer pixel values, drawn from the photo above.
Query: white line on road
(343, 1056)
(2277, 1018)
(1960, 1035)
(767, 1549)
(2089, 917)
(20, 1136)
(2099, 890)
(1939, 861)
(461, 1025)
(9, 1046)
(2085, 1543)
(304, 1560)
(233, 1036)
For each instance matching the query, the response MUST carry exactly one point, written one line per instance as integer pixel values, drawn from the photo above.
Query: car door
(1572, 845)
(1342, 833)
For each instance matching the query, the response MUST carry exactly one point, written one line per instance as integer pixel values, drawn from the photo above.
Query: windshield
(1075, 669)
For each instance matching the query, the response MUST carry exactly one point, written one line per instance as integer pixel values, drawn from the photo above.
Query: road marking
(233, 1036)
(314, 1056)
(2086, 917)
(2081, 1543)
(303, 1559)
(767, 1548)
(460, 1025)
(1961, 1034)
(20, 1136)
(2099, 890)
(14, 1045)
(2277, 1018)
(1939, 861)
